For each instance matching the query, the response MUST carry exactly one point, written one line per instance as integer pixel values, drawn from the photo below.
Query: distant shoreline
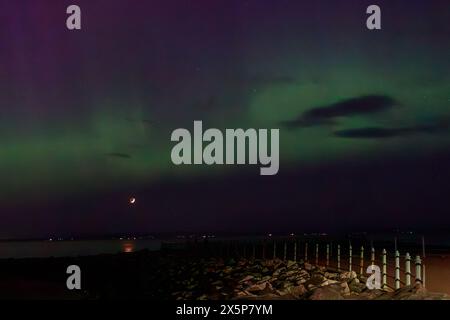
(88, 247)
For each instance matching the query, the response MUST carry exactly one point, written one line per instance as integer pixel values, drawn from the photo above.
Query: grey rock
(356, 286)
(348, 275)
(291, 264)
(331, 292)
(315, 280)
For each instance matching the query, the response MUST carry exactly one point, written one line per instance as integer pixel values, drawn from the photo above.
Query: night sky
(86, 116)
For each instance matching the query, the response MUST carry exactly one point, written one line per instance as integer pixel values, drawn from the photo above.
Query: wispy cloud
(381, 133)
(326, 115)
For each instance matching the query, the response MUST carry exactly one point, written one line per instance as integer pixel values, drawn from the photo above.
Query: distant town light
(128, 248)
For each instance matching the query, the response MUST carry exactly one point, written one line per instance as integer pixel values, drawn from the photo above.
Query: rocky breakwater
(275, 280)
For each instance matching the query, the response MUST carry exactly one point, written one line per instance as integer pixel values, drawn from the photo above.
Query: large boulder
(297, 291)
(348, 275)
(372, 294)
(316, 279)
(308, 266)
(345, 290)
(356, 286)
(262, 288)
(331, 292)
(417, 292)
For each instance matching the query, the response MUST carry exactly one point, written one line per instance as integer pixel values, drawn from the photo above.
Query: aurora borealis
(86, 116)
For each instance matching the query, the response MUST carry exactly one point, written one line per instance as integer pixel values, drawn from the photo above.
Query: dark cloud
(326, 115)
(380, 133)
(373, 133)
(360, 105)
(308, 122)
(119, 155)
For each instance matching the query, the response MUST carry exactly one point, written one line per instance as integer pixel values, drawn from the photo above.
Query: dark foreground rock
(181, 276)
(275, 279)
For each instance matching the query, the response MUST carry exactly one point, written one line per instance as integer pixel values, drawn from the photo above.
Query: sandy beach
(438, 273)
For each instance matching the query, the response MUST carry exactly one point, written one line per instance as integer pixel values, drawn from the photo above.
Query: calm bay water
(30, 249)
(34, 249)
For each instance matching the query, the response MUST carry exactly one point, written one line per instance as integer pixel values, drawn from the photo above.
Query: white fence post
(295, 250)
(339, 258)
(328, 255)
(397, 270)
(384, 253)
(361, 262)
(350, 253)
(423, 273)
(418, 270)
(306, 251)
(274, 249)
(423, 262)
(408, 269)
(317, 254)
